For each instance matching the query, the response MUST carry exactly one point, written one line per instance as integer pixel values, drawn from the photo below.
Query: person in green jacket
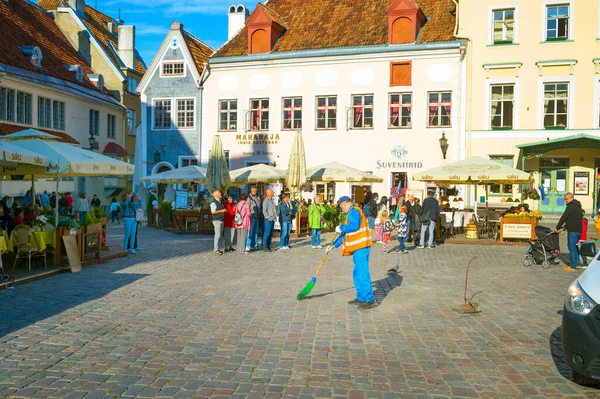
(316, 221)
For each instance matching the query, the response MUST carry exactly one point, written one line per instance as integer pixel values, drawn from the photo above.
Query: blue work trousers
(130, 227)
(572, 240)
(362, 276)
(315, 237)
(286, 228)
(253, 234)
(268, 234)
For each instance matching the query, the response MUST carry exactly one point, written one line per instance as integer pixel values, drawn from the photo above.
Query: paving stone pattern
(177, 321)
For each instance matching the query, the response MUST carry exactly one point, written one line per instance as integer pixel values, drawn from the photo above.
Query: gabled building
(374, 84)
(108, 46)
(172, 98)
(47, 85)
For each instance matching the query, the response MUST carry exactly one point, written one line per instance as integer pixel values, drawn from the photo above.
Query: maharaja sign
(257, 138)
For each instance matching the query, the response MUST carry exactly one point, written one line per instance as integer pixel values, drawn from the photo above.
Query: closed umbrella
(259, 173)
(337, 172)
(187, 174)
(217, 176)
(296, 172)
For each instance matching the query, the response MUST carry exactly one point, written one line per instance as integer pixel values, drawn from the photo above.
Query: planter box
(165, 219)
(60, 251)
(523, 229)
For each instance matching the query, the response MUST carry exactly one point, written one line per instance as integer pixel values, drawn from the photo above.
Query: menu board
(181, 199)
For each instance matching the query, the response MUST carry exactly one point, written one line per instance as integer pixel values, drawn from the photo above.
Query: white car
(581, 325)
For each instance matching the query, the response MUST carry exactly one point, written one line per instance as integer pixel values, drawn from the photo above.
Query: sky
(205, 19)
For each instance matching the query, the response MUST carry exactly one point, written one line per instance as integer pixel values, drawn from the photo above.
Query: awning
(581, 140)
(114, 149)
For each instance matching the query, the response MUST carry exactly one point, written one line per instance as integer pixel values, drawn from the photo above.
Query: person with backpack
(229, 224)
(242, 221)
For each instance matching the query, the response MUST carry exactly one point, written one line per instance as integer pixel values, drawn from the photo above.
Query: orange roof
(272, 15)
(25, 24)
(318, 24)
(6, 128)
(199, 50)
(96, 21)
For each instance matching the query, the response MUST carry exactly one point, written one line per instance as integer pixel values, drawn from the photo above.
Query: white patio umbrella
(12, 157)
(259, 173)
(187, 174)
(337, 172)
(217, 176)
(296, 172)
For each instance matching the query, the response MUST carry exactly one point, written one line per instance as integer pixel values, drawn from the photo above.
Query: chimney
(237, 16)
(110, 26)
(78, 6)
(176, 25)
(127, 45)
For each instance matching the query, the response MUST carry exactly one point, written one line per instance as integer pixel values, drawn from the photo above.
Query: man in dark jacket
(370, 210)
(431, 208)
(571, 221)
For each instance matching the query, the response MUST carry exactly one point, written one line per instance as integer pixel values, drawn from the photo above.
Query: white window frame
(175, 118)
(389, 109)
(453, 109)
(571, 20)
(59, 124)
(364, 107)
(491, 23)
(47, 122)
(9, 109)
(154, 128)
(163, 62)
(571, 104)
(502, 193)
(517, 102)
(269, 112)
(111, 126)
(96, 130)
(228, 113)
(283, 109)
(327, 107)
(131, 122)
(25, 121)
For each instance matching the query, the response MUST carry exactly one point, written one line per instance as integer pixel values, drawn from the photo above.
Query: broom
(311, 284)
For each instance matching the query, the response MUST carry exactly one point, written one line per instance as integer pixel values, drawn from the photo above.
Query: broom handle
(325, 257)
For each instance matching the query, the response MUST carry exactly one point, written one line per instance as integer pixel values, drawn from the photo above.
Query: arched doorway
(159, 168)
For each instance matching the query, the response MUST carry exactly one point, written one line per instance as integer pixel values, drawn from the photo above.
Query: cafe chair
(25, 248)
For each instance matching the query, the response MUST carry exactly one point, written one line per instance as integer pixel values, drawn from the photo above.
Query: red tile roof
(318, 24)
(6, 128)
(272, 15)
(25, 24)
(199, 50)
(96, 22)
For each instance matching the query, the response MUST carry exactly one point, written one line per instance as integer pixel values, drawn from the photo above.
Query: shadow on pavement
(328, 293)
(382, 287)
(556, 350)
(30, 303)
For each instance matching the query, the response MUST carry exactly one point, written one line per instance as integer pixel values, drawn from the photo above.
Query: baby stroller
(544, 249)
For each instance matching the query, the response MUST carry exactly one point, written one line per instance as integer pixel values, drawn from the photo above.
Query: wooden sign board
(510, 230)
(70, 242)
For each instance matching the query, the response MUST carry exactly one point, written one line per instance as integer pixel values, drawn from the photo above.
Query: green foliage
(165, 206)
(89, 219)
(330, 216)
(151, 199)
(99, 212)
(68, 222)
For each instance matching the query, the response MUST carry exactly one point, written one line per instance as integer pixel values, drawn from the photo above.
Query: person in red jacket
(583, 238)
(229, 223)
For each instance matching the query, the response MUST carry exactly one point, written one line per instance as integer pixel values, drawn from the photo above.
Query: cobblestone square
(177, 321)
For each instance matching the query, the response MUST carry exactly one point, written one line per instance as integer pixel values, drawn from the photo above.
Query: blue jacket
(352, 225)
(128, 209)
(286, 212)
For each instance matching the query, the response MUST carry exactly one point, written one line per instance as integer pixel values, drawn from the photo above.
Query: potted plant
(165, 209)
(100, 215)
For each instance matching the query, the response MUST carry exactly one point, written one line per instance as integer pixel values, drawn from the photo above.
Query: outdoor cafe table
(3, 245)
(40, 239)
(455, 219)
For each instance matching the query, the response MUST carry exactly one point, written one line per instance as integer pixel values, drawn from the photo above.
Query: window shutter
(402, 31)
(260, 42)
(401, 74)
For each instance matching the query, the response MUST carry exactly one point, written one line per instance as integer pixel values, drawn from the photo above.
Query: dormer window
(79, 72)
(405, 19)
(34, 54)
(97, 80)
(265, 27)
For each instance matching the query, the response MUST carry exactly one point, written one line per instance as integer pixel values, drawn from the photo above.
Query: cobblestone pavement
(177, 321)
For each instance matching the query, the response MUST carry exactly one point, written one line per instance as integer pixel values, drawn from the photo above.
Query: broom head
(307, 289)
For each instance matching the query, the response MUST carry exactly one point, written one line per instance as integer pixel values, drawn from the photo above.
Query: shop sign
(400, 152)
(516, 230)
(257, 138)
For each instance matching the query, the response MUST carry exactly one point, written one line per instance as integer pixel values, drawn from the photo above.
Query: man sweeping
(355, 238)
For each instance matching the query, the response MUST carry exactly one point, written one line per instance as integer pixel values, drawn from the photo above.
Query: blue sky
(206, 19)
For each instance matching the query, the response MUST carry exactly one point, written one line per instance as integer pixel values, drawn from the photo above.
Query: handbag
(424, 218)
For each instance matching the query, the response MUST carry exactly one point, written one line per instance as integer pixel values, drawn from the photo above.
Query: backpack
(366, 209)
(238, 219)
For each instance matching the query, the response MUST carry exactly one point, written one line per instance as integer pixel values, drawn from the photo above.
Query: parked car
(581, 323)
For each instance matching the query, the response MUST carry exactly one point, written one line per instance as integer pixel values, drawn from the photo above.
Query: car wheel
(545, 264)
(584, 380)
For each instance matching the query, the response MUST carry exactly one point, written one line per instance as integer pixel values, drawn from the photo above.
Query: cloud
(143, 29)
(179, 7)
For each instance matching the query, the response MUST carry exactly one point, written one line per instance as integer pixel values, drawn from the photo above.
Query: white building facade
(381, 107)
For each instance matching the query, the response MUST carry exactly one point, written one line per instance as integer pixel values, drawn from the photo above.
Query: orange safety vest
(358, 239)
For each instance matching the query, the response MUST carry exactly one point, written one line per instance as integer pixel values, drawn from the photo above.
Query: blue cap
(345, 198)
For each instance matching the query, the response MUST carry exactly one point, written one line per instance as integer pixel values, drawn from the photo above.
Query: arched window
(240, 8)
(231, 9)
(37, 57)
(260, 42)
(403, 31)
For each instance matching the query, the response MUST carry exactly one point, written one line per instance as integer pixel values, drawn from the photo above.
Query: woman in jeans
(83, 206)
(242, 230)
(114, 210)
(229, 224)
(315, 222)
(129, 222)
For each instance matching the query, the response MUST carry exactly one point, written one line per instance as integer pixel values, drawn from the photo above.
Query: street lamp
(93, 142)
(444, 144)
